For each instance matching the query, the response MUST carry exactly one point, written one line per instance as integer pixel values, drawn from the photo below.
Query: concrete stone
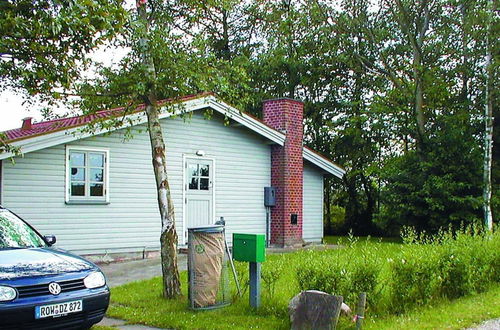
(488, 325)
(314, 310)
(136, 327)
(110, 322)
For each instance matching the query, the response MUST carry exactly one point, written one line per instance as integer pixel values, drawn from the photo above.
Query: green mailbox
(249, 247)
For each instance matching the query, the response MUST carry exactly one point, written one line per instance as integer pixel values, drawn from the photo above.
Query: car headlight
(94, 280)
(7, 293)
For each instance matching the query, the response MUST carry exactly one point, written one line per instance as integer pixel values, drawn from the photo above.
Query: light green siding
(312, 227)
(34, 186)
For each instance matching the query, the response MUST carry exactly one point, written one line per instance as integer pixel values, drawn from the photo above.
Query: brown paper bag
(207, 260)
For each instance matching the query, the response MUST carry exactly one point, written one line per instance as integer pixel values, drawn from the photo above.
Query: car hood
(17, 263)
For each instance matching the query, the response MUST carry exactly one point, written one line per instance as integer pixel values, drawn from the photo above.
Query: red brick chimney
(286, 115)
(27, 124)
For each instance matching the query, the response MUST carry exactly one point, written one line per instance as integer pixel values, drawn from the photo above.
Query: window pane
(204, 170)
(194, 183)
(204, 184)
(77, 189)
(77, 158)
(96, 160)
(96, 189)
(193, 169)
(97, 174)
(77, 174)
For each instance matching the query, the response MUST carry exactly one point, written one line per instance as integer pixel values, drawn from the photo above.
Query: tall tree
(488, 118)
(160, 62)
(168, 236)
(165, 62)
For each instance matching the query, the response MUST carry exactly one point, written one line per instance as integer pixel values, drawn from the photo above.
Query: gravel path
(488, 325)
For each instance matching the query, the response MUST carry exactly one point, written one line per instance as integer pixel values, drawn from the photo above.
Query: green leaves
(44, 43)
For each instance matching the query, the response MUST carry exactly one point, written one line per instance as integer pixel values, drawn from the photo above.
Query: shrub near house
(421, 271)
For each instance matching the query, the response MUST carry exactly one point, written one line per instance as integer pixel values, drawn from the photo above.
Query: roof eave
(41, 141)
(47, 140)
(323, 163)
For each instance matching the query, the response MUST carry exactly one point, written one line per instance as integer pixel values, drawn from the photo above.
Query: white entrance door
(198, 187)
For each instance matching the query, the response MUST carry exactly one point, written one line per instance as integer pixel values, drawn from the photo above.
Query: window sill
(85, 202)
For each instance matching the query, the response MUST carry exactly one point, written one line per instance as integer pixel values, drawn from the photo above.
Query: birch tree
(488, 119)
(168, 236)
(164, 63)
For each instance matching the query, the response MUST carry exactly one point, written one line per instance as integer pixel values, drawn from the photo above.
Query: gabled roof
(53, 132)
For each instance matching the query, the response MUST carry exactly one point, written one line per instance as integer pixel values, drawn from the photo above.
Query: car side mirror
(50, 239)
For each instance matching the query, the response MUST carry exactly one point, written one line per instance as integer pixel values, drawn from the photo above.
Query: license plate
(60, 309)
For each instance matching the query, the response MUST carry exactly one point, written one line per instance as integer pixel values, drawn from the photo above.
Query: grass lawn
(457, 314)
(141, 302)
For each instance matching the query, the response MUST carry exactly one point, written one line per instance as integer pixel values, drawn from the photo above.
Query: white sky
(12, 109)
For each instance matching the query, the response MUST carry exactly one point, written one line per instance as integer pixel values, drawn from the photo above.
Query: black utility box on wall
(269, 196)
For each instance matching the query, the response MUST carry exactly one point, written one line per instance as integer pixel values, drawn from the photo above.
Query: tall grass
(396, 279)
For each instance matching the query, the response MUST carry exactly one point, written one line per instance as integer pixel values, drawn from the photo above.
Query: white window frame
(86, 199)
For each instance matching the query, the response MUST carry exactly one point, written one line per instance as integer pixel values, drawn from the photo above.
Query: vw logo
(54, 288)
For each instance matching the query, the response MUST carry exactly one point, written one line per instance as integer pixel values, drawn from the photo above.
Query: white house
(96, 192)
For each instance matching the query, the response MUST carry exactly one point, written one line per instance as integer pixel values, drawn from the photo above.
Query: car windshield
(15, 233)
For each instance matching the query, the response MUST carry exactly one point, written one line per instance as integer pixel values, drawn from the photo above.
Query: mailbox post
(251, 248)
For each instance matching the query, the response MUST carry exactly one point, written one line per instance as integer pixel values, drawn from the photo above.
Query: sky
(12, 111)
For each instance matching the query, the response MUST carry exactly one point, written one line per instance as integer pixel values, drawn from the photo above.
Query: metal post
(268, 226)
(254, 284)
(360, 310)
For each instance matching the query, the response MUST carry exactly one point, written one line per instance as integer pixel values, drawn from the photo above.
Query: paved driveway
(119, 273)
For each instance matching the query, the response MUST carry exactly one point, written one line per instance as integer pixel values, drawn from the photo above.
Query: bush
(450, 264)
(342, 275)
(271, 273)
(415, 278)
(337, 220)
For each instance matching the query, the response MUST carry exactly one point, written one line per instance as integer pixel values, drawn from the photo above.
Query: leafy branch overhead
(45, 43)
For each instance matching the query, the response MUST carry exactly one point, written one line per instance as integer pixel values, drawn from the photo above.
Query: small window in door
(199, 176)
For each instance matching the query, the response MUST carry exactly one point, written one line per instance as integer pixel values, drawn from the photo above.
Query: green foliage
(432, 193)
(335, 224)
(44, 43)
(451, 264)
(243, 278)
(426, 268)
(271, 273)
(342, 275)
(131, 302)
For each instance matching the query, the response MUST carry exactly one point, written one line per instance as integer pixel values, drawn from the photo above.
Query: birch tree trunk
(168, 237)
(488, 129)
